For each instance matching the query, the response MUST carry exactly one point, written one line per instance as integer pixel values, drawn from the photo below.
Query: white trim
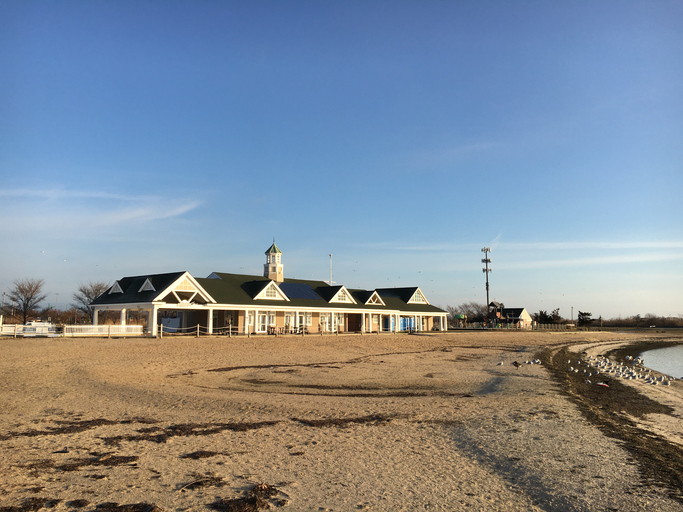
(418, 293)
(347, 299)
(147, 286)
(279, 294)
(375, 299)
(198, 290)
(116, 288)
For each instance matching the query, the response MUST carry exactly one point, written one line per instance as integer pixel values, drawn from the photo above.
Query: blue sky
(401, 137)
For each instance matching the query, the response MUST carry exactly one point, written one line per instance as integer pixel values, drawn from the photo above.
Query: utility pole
(486, 270)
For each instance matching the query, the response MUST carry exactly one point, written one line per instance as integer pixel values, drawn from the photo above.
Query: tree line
(22, 301)
(478, 313)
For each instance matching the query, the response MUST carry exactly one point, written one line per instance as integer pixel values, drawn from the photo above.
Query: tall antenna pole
(330, 270)
(486, 270)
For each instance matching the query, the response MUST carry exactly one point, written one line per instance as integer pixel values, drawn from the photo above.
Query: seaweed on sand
(257, 498)
(660, 462)
(375, 419)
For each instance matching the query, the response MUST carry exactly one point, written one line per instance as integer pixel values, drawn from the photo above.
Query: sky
(401, 137)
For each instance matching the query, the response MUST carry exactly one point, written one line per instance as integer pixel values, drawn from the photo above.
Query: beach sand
(348, 422)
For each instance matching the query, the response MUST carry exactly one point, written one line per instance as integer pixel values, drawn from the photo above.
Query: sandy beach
(373, 422)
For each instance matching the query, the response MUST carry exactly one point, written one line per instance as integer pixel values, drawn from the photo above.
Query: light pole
(486, 270)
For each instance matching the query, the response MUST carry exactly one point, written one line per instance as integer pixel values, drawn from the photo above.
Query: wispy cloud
(590, 245)
(72, 210)
(590, 261)
(56, 194)
(449, 154)
(143, 214)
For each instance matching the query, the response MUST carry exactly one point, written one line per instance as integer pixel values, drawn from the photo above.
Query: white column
(153, 320)
(123, 317)
(95, 316)
(362, 322)
(209, 323)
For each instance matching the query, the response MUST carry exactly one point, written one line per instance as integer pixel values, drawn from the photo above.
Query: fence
(554, 327)
(103, 330)
(16, 330)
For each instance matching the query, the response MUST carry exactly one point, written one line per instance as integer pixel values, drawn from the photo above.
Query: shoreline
(333, 423)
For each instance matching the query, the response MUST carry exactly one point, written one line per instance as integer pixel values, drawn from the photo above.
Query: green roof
(239, 290)
(273, 249)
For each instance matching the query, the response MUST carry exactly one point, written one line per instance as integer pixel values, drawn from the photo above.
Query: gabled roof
(332, 294)
(242, 289)
(406, 294)
(368, 297)
(512, 312)
(247, 291)
(276, 290)
(130, 288)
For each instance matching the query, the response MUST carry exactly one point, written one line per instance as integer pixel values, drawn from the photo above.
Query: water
(667, 360)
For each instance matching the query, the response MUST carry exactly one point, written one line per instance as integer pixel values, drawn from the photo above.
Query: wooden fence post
(197, 331)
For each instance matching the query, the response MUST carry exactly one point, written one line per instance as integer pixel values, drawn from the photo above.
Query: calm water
(665, 360)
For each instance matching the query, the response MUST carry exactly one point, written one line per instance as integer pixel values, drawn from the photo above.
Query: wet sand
(374, 422)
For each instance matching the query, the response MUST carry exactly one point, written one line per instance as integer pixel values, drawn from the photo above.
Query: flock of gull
(517, 365)
(631, 369)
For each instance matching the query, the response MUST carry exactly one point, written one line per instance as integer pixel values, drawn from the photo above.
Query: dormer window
(271, 292)
(147, 286)
(343, 296)
(418, 297)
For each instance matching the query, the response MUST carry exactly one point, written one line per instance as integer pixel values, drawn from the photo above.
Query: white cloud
(57, 194)
(56, 210)
(590, 261)
(160, 210)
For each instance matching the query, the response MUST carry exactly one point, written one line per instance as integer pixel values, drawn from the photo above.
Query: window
(418, 297)
(271, 293)
(306, 318)
(147, 286)
(185, 286)
(325, 321)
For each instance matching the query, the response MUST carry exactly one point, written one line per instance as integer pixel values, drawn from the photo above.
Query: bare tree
(27, 293)
(473, 311)
(86, 294)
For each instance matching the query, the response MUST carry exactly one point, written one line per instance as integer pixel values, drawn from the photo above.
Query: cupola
(273, 268)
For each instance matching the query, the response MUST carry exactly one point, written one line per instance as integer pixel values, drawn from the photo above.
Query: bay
(667, 360)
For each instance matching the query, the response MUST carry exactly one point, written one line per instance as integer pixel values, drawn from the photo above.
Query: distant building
(270, 303)
(510, 317)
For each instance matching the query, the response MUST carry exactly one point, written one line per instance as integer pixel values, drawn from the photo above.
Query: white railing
(11, 329)
(103, 330)
(73, 330)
